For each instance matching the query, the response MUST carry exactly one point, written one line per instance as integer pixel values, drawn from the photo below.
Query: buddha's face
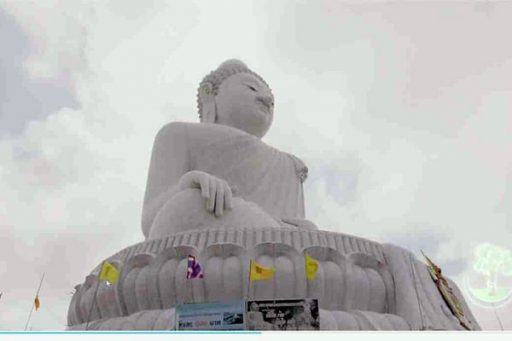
(245, 103)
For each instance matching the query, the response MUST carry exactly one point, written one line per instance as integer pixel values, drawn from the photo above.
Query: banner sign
(299, 314)
(211, 316)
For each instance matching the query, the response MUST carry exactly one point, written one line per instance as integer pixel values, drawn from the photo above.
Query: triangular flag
(193, 268)
(259, 272)
(109, 273)
(311, 265)
(37, 304)
(433, 269)
(446, 291)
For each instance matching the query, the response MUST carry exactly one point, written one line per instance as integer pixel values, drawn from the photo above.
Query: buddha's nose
(267, 100)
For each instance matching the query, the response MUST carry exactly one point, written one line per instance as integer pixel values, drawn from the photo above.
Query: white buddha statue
(195, 166)
(217, 192)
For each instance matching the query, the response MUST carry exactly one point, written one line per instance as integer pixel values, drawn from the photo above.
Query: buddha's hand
(217, 193)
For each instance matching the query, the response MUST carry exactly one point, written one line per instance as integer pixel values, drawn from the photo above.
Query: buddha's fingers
(219, 198)
(205, 187)
(228, 197)
(210, 203)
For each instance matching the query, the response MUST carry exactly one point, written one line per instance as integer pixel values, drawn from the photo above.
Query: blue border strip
(91, 332)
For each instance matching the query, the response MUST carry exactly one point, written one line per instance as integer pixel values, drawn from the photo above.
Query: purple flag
(194, 268)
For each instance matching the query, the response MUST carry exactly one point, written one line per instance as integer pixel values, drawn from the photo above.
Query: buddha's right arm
(216, 192)
(169, 161)
(150, 210)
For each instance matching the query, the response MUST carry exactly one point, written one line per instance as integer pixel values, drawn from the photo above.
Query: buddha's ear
(207, 99)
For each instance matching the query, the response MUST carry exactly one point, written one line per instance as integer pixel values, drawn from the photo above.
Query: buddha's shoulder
(196, 131)
(170, 130)
(176, 131)
(176, 128)
(300, 166)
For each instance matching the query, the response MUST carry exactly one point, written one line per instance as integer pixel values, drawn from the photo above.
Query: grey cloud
(429, 240)
(340, 173)
(455, 267)
(393, 60)
(23, 99)
(422, 238)
(65, 258)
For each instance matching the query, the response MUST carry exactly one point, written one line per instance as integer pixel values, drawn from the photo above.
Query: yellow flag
(260, 272)
(109, 273)
(37, 304)
(311, 267)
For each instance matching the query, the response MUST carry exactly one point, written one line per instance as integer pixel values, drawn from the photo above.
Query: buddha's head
(235, 96)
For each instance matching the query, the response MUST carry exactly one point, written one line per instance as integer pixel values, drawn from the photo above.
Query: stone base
(330, 320)
(360, 284)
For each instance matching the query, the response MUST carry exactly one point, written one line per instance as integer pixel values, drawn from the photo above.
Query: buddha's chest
(258, 173)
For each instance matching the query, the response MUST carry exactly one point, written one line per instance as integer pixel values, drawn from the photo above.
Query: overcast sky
(402, 111)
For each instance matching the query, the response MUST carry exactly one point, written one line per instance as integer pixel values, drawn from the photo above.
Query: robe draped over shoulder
(264, 175)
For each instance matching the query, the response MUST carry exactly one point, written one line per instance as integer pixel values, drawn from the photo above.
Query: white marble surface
(360, 284)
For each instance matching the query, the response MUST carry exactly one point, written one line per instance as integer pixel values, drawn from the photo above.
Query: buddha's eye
(251, 87)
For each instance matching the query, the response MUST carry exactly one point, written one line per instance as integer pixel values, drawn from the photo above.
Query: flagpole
(34, 302)
(274, 285)
(249, 279)
(94, 297)
(497, 317)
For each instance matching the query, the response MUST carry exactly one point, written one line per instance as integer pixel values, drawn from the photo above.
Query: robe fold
(259, 173)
